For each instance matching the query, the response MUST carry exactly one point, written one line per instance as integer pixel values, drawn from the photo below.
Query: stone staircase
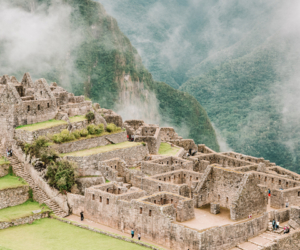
(39, 194)
(261, 241)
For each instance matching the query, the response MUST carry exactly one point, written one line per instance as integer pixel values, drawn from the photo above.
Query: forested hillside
(98, 60)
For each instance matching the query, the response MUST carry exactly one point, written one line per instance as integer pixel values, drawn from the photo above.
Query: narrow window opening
(171, 201)
(190, 178)
(93, 197)
(154, 201)
(197, 178)
(41, 92)
(28, 108)
(294, 184)
(184, 175)
(107, 201)
(100, 198)
(164, 179)
(159, 188)
(272, 180)
(287, 184)
(299, 194)
(48, 105)
(141, 210)
(39, 107)
(279, 182)
(150, 212)
(226, 199)
(266, 179)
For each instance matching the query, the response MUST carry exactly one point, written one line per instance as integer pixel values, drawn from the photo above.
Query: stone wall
(23, 220)
(4, 169)
(30, 136)
(280, 197)
(76, 203)
(86, 182)
(13, 196)
(282, 215)
(204, 149)
(150, 135)
(164, 165)
(73, 109)
(130, 155)
(91, 143)
(185, 143)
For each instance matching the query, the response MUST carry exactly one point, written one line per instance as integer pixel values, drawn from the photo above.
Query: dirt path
(93, 224)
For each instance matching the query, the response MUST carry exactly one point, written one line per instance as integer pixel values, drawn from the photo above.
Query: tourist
(274, 224)
(287, 204)
(139, 236)
(132, 233)
(277, 224)
(132, 138)
(7, 152)
(269, 192)
(286, 230)
(11, 152)
(81, 215)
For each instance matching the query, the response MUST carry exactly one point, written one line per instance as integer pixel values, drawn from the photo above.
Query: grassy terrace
(42, 125)
(9, 181)
(3, 161)
(77, 118)
(50, 234)
(102, 149)
(23, 210)
(166, 149)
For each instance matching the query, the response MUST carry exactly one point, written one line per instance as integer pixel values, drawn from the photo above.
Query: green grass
(3, 161)
(9, 181)
(42, 125)
(23, 210)
(50, 234)
(77, 118)
(166, 149)
(102, 149)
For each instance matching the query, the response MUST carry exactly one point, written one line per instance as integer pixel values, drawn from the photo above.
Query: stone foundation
(4, 169)
(214, 208)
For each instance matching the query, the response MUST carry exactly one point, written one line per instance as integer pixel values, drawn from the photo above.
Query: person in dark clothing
(139, 236)
(274, 224)
(132, 233)
(81, 215)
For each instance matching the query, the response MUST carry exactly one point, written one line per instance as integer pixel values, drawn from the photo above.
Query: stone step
(248, 246)
(260, 241)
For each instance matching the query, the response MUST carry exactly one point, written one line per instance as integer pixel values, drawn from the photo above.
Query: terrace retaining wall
(24, 220)
(4, 169)
(130, 155)
(91, 143)
(13, 196)
(30, 136)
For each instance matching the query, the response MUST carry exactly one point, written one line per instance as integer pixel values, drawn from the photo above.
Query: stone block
(215, 208)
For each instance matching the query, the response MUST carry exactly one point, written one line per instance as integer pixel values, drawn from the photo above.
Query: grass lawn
(77, 118)
(102, 149)
(42, 125)
(23, 210)
(166, 149)
(3, 161)
(50, 234)
(9, 181)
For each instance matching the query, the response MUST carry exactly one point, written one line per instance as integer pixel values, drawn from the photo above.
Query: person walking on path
(274, 224)
(139, 236)
(81, 216)
(277, 224)
(269, 192)
(132, 233)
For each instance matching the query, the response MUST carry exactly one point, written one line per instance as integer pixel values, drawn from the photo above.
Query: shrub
(90, 116)
(57, 138)
(10, 171)
(37, 147)
(111, 127)
(62, 175)
(76, 134)
(84, 132)
(30, 194)
(99, 129)
(91, 129)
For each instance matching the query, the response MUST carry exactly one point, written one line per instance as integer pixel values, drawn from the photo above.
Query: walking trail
(96, 225)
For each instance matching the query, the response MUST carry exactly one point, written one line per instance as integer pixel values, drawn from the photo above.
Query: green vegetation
(61, 175)
(100, 63)
(9, 181)
(23, 210)
(42, 125)
(77, 118)
(166, 149)
(103, 149)
(4, 160)
(90, 132)
(52, 234)
(90, 116)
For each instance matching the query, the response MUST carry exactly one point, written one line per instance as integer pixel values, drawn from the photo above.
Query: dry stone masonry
(198, 200)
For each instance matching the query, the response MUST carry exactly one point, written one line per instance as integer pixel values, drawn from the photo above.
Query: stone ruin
(166, 198)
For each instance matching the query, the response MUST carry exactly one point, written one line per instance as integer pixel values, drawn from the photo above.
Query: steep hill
(96, 59)
(252, 99)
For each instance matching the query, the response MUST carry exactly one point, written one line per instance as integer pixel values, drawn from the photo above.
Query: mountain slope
(102, 57)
